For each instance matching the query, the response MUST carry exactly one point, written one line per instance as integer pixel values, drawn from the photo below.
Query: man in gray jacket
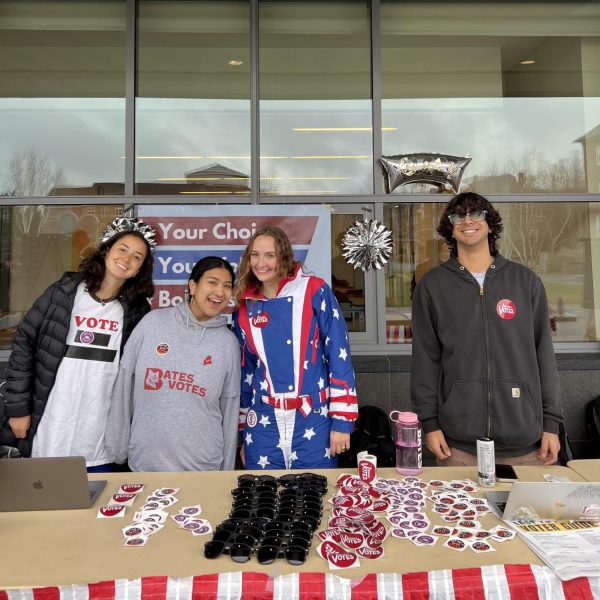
(483, 364)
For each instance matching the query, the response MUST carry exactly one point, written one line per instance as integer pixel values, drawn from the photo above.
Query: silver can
(486, 462)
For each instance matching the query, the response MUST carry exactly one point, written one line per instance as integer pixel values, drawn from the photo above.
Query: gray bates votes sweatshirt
(176, 399)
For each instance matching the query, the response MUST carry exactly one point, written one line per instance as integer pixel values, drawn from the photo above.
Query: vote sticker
(251, 419)
(506, 309)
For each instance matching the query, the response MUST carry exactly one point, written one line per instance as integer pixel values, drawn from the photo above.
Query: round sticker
(251, 418)
(481, 546)
(87, 337)
(162, 349)
(261, 320)
(506, 309)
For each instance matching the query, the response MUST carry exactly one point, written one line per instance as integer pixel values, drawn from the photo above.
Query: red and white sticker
(131, 488)
(367, 467)
(136, 542)
(506, 309)
(352, 540)
(370, 553)
(334, 535)
(456, 544)
(110, 512)
(329, 547)
(123, 499)
(191, 511)
(502, 534)
(261, 320)
(481, 546)
(344, 560)
(425, 539)
(166, 491)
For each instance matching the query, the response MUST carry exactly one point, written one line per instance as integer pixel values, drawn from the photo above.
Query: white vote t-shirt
(76, 412)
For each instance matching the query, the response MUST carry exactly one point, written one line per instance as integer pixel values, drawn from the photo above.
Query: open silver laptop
(46, 484)
(550, 500)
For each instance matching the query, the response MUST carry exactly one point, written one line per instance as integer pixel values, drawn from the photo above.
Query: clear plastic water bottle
(409, 450)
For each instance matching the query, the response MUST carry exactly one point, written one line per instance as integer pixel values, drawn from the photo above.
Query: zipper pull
(481, 290)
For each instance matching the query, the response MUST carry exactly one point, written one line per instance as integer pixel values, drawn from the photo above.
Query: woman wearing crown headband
(66, 350)
(176, 400)
(298, 401)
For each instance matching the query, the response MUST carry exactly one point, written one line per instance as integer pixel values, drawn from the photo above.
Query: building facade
(109, 105)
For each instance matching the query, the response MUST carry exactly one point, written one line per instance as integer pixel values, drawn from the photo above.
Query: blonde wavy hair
(286, 263)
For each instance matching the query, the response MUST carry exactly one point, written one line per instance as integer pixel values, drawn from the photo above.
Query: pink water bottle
(409, 453)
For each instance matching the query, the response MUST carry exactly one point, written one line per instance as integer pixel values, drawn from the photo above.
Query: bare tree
(32, 174)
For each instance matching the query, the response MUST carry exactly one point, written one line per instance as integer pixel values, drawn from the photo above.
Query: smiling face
(125, 258)
(264, 263)
(471, 235)
(211, 293)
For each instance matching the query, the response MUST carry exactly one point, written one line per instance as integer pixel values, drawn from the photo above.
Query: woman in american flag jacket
(298, 403)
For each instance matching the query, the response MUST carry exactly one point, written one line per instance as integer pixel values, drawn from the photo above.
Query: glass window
(348, 283)
(315, 98)
(37, 245)
(193, 105)
(559, 241)
(513, 84)
(62, 105)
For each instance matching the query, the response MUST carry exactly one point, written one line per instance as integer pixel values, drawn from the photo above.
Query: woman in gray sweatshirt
(176, 399)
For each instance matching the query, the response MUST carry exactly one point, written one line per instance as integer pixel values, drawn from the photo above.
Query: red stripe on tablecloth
(415, 586)
(366, 587)
(521, 582)
(46, 593)
(312, 585)
(103, 590)
(154, 587)
(205, 587)
(254, 585)
(578, 589)
(468, 584)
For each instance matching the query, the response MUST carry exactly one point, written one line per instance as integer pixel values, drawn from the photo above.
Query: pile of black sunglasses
(271, 518)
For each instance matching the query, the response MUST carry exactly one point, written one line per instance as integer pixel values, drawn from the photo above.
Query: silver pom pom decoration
(122, 224)
(367, 244)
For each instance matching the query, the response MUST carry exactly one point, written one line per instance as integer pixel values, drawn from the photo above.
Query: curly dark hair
(466, 202)
(286, 263)
(93, 268)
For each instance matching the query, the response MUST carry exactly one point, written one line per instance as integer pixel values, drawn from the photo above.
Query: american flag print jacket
(296, 346)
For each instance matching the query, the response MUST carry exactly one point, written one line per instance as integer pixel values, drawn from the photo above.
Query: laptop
(59, 483)
(550, 500)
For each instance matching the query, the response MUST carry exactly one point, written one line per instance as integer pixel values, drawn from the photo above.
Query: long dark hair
(206, 264)
(285, 259)
(466, 202)
(93, 269)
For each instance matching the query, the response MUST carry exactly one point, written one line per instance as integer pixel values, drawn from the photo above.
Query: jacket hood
(186, 317)
(453, 264)
(70, 280)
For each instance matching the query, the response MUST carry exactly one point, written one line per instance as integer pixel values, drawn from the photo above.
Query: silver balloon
(367, 244)
(443, 171)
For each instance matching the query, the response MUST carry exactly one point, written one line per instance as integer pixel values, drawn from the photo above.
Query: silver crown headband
(130, 225)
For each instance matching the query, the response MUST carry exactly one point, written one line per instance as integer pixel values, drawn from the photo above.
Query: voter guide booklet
(570, 548)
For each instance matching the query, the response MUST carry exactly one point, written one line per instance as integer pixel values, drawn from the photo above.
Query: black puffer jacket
(38, 349)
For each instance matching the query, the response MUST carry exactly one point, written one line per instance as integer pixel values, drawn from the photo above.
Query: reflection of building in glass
(212, 179)
(217, 179)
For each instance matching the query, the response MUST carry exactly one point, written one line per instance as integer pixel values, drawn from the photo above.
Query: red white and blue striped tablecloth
(514, 582)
